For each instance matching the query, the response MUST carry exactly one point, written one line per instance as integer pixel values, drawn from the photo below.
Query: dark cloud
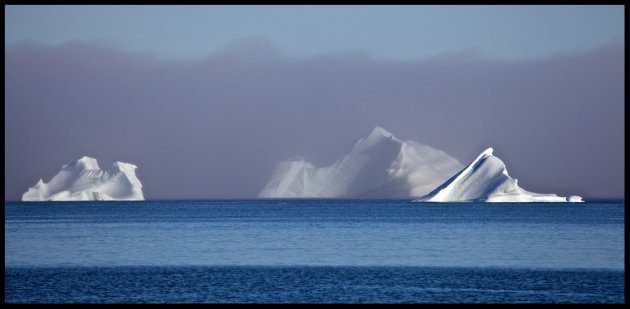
(215, 128)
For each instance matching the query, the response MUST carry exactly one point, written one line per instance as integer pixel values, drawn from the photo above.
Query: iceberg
(378, 166)
(83, 180)
(486, 180)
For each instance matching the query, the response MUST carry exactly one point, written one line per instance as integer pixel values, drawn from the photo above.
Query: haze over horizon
(205, 105)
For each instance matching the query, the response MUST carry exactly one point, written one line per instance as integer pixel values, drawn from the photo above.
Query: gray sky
(213, 121)
(384, 31)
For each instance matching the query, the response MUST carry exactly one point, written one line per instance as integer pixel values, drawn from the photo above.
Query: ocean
(314, 251)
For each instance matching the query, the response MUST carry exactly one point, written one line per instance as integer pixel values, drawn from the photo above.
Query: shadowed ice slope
(83, 180)
(379, 166)
(486, 180)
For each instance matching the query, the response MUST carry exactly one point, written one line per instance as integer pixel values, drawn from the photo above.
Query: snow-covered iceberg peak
(378, 135)
(84, 162)
(486, 180)
(378, 166)
(83, 180)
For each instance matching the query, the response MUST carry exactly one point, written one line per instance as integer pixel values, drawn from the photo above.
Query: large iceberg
(486, 180)
(83, 180)
(379, 166)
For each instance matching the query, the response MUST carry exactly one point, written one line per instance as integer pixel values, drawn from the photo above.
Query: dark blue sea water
(321, 251)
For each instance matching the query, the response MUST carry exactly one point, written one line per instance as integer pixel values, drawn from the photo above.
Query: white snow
(379, 166)
(486, 180)
(83, 180)
(574, 199)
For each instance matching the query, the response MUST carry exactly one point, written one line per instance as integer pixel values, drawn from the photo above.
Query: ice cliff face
(486, 180)
(379, 166)
(83, 180)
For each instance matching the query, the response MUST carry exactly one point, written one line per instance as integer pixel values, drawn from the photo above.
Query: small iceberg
(486, 180)
(83, 180)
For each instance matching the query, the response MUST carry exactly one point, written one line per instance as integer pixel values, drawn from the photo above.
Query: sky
(390, 32)
(205, 100)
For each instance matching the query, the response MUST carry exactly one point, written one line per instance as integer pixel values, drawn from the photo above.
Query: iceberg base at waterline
(486, 180)
(83, 180)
